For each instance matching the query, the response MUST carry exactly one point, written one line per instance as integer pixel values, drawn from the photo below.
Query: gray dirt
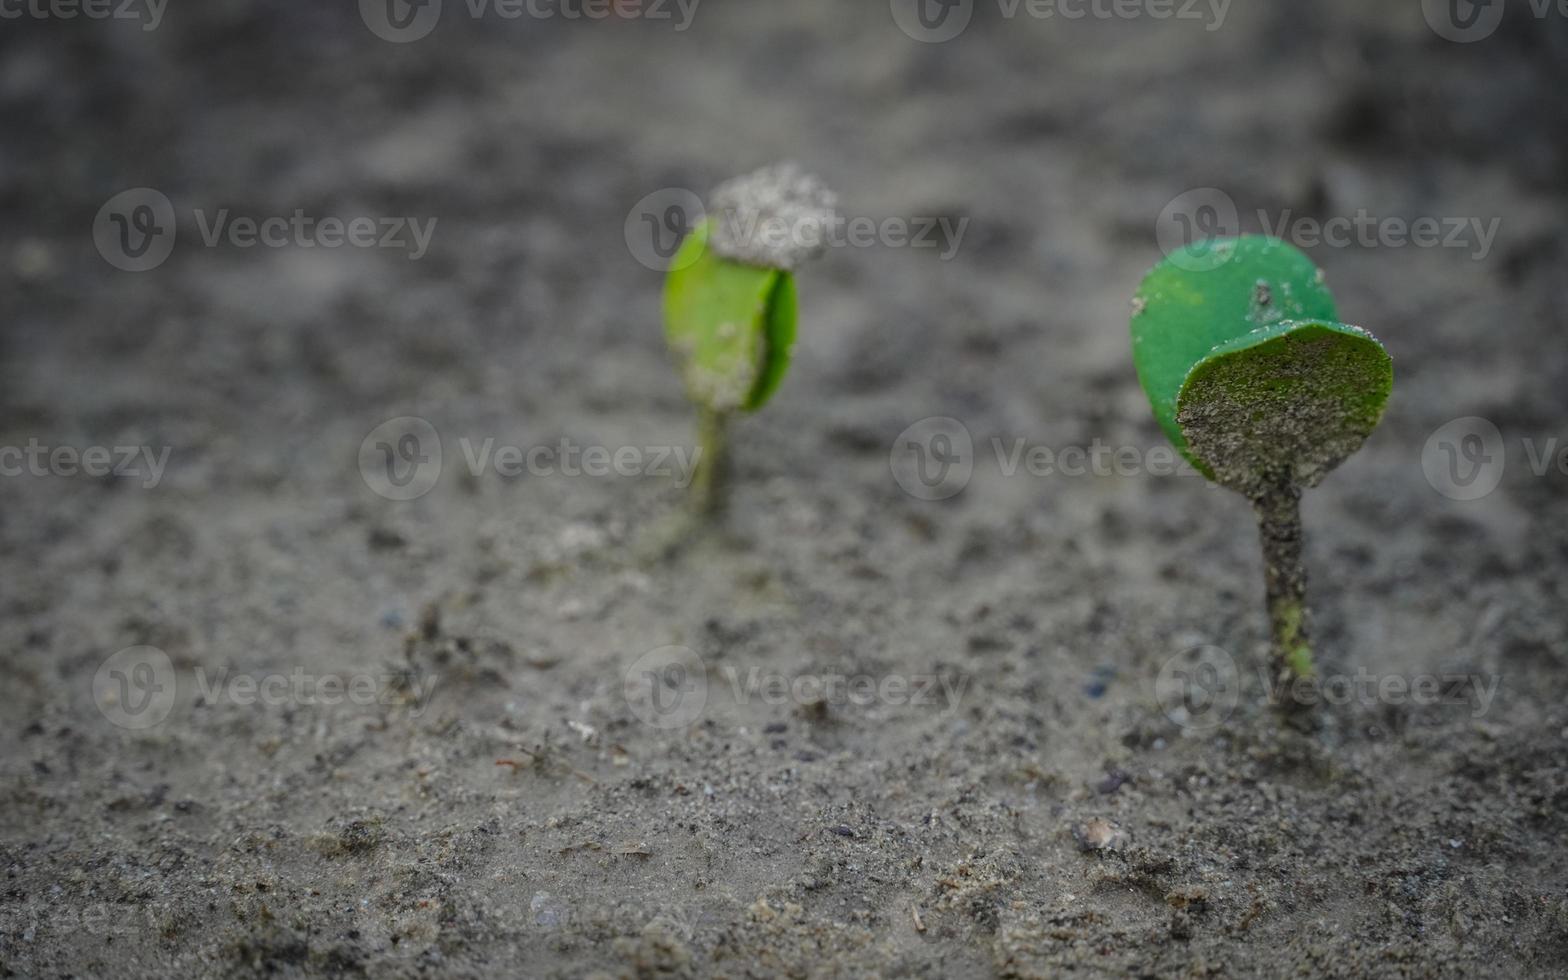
(1040, 814)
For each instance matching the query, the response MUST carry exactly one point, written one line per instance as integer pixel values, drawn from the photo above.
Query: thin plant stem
(1279, 527)
(710, 481)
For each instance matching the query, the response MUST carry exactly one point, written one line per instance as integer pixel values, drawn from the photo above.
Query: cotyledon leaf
(1249, 373)
(1207, 294)
(733, 325)
(1284, 404)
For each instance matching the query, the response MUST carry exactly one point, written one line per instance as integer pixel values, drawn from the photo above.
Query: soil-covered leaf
(1284, 404)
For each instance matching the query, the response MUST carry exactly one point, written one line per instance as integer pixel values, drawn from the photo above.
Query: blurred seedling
(730, 309)
(1256, 382)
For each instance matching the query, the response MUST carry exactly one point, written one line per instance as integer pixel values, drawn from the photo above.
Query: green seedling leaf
(1180, 315)
(730, 306)
(732, 325)
(1250, 374)
(1255, 333)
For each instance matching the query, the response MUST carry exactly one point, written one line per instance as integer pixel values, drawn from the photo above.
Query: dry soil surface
(481, 797)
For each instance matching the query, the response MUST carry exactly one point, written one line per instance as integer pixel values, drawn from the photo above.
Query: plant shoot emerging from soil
(1251, 376)
(729, 305)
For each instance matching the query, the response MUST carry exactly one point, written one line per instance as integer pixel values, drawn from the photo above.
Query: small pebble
(1099, 834)
(1096, 687)
(1112, 782)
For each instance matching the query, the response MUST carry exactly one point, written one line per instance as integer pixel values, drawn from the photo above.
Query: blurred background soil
(1051, 818)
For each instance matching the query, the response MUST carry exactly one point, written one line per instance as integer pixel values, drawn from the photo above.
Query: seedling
(1256, 382)
(730, 309)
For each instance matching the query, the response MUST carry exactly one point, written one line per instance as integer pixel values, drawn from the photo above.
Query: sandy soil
(496, 803)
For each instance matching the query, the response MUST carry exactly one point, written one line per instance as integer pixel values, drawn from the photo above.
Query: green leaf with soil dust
(1238, 346)
(732, 325)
